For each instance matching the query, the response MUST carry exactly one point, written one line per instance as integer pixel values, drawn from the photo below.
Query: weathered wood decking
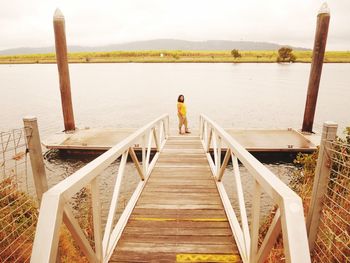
(179, 215)
(254, 140)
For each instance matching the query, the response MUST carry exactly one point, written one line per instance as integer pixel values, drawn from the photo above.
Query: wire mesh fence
(18, 211)
(333, 237)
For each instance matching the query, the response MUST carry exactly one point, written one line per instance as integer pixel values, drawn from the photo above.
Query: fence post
(322, 172)
(36, 155)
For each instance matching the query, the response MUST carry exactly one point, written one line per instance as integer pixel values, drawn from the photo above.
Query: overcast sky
(92, 22)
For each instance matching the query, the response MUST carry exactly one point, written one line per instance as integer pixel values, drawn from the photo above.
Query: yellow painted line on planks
(184, 219)
(207, 258)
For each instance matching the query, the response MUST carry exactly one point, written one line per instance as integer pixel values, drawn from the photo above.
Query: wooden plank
(182, 160)
(133, 256)
(179, 239)
(183, 138)
(181, 181)
(177, 223)
(155, 188)
(171, 231)
(183, 202)
(183, 176)
(167, 150)
(182, 184)
(182, 154)
(184, 146)
(180, 206)
(186, 142)
(180, 195)
(179, 248)
(201, 171)
(181, 213)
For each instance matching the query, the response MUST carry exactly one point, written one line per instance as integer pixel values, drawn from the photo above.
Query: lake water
(130, 95)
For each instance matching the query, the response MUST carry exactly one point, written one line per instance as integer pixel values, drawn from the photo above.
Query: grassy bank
(173, 57)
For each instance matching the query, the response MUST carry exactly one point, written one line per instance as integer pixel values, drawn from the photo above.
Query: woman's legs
(182, 121)
(185, 122)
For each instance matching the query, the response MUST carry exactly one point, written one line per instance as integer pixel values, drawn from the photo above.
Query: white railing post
(209, 137)
(114, 202)
(255, 224)
(200, 127)
(149, 149)
(224, 165)
(144, 143)
(215, 150)
(218, 167)
(96, 217)
(241, 202)
(321, 179)
(36, 156)
(168, 127)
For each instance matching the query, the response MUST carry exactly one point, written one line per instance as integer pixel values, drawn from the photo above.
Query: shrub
(285, 54)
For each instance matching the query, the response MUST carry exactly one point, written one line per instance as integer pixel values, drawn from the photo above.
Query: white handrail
(53, 209)
(289, 217)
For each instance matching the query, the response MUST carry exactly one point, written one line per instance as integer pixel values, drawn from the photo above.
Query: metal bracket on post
(321, 178)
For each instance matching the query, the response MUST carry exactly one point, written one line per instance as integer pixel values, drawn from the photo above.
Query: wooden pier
(179, 215)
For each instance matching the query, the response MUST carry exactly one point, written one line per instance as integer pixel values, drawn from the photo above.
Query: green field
(173, 57)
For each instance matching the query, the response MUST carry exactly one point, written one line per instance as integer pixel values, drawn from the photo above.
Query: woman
(181, 113)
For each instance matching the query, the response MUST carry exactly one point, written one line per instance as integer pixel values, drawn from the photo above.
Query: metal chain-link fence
(18, 211)
(333, 236)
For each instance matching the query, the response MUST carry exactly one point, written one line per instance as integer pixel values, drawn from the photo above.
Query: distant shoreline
(172, 57)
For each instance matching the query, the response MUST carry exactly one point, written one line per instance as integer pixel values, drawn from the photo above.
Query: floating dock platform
(254, 140)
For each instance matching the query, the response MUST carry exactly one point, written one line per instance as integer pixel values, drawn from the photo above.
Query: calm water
(130, 95)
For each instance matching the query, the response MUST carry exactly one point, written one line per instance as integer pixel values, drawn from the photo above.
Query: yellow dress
(182, 108)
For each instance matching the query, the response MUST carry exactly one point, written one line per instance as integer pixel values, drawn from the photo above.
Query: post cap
(330, 124)
(30, 118)
(324, 9)
(58, 15)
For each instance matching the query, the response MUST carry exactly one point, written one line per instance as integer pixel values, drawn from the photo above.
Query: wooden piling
(36, 156)
(323, 18)
(63, 69)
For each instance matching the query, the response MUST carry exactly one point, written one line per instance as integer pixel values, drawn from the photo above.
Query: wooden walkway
(179, 216)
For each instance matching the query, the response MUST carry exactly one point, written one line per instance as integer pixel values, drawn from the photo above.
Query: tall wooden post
(36, 156)
(321, 179)
(63, 70)
(316, 67)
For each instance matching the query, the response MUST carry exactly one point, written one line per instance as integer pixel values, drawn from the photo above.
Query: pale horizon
(92, 23)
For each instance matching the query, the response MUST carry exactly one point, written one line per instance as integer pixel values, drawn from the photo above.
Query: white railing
(289, 216)
(54, 208)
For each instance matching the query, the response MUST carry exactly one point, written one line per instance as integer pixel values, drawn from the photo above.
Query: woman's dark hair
(179, 98)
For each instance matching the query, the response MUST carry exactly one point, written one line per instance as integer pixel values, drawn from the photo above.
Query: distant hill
(157, 44)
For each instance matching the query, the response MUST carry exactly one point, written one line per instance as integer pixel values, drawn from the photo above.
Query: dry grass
(168, 56)
(18, 219)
